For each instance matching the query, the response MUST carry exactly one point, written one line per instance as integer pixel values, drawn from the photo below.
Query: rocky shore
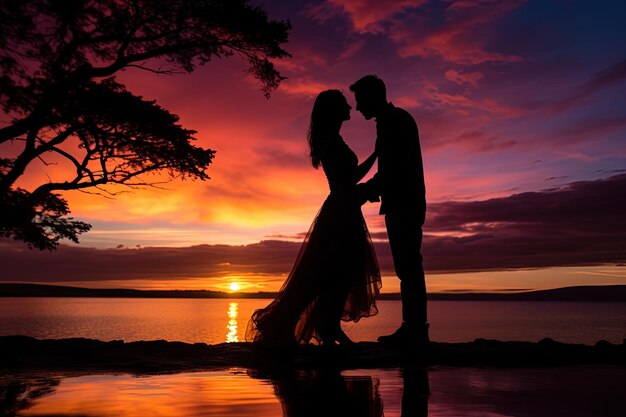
(22, 353)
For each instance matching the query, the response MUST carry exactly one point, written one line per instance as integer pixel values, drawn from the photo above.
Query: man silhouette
(400, 184)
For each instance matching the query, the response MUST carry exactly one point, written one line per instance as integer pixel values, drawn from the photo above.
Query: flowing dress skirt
(335, 276)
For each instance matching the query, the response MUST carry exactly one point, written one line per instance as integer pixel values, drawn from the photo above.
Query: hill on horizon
(608, 293)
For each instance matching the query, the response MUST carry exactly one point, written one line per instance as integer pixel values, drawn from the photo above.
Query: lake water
(444, 392)
(596, 391)
(224, 320)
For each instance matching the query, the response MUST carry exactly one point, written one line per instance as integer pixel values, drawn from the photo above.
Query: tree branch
(81, 168)
(30, 153)
(155, 71)
(66, 186)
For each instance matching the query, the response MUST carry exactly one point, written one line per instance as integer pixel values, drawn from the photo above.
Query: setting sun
(234, 286)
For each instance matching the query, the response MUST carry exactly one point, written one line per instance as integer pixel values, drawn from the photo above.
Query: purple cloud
(580, 224)
(613, 75)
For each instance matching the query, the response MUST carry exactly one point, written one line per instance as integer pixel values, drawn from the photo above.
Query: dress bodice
(340, 164)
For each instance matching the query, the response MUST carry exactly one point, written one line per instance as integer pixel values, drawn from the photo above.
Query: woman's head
(330, 106)
(330, 110)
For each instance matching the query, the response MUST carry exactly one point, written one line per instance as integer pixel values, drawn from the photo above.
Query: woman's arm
(365, 166)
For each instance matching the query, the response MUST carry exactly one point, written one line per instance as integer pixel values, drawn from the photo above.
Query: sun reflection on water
(233, 312)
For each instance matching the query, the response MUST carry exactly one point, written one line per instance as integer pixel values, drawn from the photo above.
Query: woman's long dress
(335, 276)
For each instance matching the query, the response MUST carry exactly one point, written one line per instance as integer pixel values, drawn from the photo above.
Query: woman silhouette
(335, 276)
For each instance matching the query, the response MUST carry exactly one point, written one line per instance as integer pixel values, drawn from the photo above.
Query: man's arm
(365, 167)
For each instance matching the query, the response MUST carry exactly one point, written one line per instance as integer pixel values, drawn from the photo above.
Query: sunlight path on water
(232, 335)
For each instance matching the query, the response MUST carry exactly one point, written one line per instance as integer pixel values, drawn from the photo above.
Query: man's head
(370, 95)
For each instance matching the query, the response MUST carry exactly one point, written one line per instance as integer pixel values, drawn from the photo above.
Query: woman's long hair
(324, 119)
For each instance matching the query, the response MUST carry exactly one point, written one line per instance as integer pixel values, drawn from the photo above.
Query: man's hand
(365, 193)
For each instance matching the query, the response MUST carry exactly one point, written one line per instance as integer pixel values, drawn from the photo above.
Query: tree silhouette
(58, 59)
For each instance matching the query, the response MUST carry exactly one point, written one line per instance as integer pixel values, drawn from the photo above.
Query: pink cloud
(458, 77)
(306, 87)
(461, 38)
(303, 59)
(406, 101)
(467, 104)
(366, 16)
(480, 141)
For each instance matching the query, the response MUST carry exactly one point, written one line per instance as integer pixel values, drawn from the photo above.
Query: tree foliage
(58, 59)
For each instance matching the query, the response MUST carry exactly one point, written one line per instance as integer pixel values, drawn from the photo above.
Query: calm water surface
(221, 320)
(576, 391)
(571, 392)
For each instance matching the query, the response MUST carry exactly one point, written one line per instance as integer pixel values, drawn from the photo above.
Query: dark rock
(27, 353)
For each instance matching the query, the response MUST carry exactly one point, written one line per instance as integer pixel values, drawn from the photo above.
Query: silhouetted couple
(327, 391)
(336, 275)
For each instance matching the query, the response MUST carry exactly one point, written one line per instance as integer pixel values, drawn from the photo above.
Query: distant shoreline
(604, 293)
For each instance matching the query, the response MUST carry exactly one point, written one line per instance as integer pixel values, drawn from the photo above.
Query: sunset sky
(521, 107)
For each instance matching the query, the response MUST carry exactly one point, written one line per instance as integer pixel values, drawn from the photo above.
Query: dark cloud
(71, 263)
(610, 171)
(296, 236)
(580, 224)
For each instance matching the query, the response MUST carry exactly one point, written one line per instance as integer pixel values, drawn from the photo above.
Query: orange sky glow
(509, 125)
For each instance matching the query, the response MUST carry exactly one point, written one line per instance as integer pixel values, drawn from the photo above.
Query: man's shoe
(408, 335)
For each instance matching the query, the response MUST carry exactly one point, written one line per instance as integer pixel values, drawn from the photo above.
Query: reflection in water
(415, 392)
(469, 392)
(202, 394)
(17, 395)
(233, 310)
(326, 392)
